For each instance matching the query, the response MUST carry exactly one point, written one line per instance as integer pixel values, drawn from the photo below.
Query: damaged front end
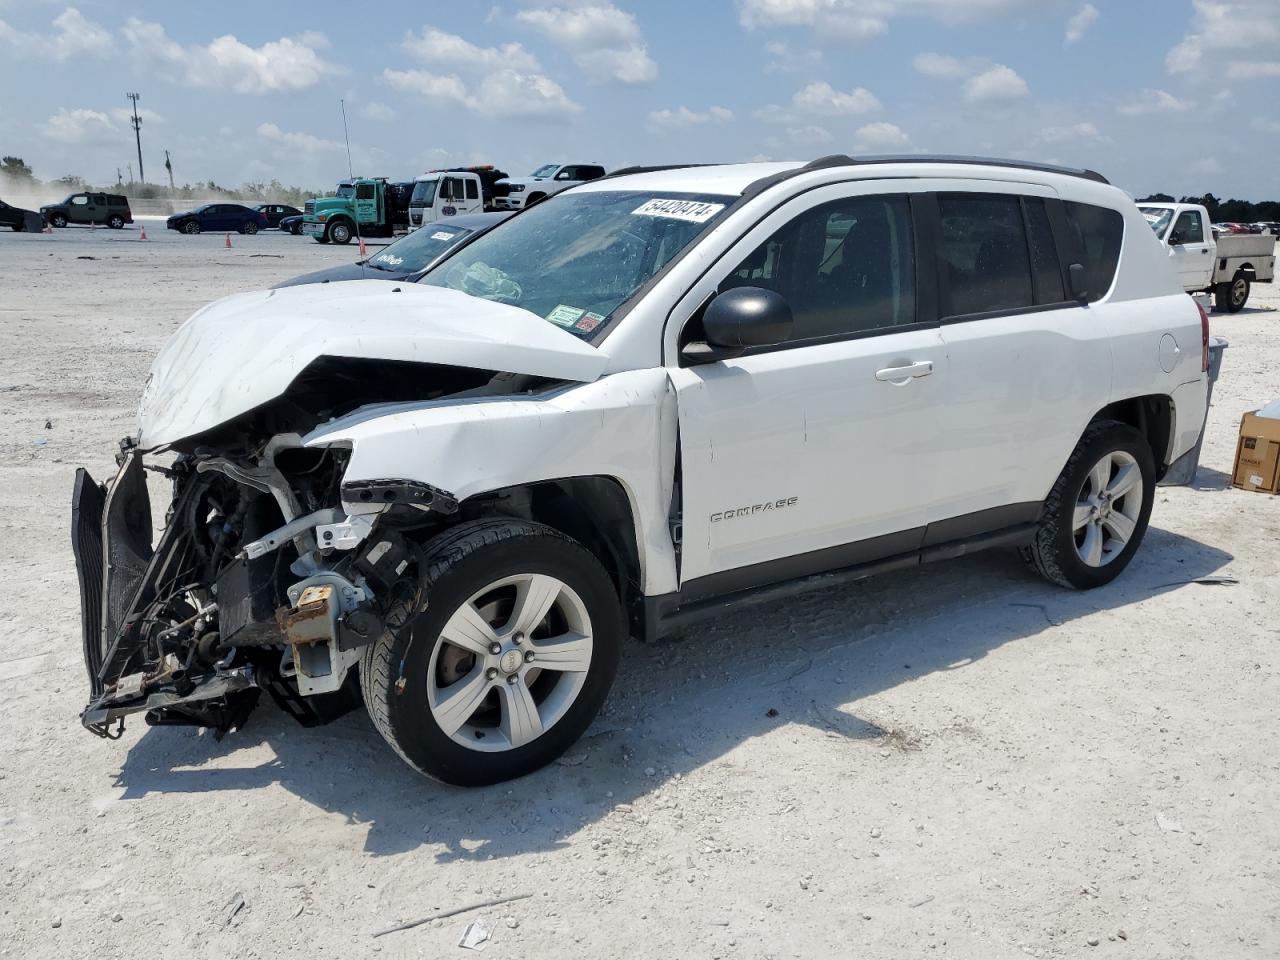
(269, 575)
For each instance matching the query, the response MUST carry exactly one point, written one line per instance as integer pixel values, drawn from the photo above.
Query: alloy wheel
(1107, 508)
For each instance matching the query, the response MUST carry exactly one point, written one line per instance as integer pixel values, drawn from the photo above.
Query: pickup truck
(1228, 266)
(516, 193)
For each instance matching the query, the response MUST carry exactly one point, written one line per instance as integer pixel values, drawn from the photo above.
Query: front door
(1192, 250)
(367, 212)
(81, 209)
(816, 453)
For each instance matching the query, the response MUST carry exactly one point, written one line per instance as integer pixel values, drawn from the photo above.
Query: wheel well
(1152, 416)
(595, 511)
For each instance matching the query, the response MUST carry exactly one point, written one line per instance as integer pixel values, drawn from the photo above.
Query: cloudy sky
(1176, 95)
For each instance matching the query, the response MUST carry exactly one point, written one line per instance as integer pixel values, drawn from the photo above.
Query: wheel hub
(511, 661)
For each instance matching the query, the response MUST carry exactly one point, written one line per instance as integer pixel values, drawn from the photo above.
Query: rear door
(1028, 367)
(1192, 248)
(814, 453)
(472, 201)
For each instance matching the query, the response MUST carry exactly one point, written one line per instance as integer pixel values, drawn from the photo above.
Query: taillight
(1204, 339)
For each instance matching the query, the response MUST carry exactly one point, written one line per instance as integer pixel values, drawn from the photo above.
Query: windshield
(546, 171)
(1157, 218)
(424, 193)
(575, 259)
(419, 249)
(345, 190)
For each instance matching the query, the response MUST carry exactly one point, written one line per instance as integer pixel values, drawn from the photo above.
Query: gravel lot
(958, 761)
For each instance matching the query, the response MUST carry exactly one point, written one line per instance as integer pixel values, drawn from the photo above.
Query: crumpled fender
(622, 426)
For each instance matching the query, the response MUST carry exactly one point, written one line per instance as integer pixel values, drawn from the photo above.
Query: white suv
(618, 412)
(516, 193)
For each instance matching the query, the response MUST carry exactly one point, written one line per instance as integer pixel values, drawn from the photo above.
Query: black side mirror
(737, 319)
(1079, 283)
(1176, 239)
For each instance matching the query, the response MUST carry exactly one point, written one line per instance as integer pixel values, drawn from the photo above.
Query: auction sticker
(589, 322)
(565, 315)
(443, 235)
(691, 211)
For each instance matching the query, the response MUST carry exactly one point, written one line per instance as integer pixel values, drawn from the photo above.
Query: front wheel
(58, 220)
(191, 227)
(1096, 514)
(505, 657)
(339, 233)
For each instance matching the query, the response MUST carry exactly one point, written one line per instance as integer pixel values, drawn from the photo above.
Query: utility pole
(119, 179)
(168, 165)
(137, 133)
(129, 167)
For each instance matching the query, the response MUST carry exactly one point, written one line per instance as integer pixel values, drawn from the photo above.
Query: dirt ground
(959, 761)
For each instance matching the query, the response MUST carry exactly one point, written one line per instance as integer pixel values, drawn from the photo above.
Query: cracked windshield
(575, 259)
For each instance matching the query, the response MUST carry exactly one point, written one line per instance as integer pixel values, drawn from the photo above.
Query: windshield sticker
(390, 258)
(691, 211)
(565, 315)
(588, 322)
(1153, 217)
(443, 235)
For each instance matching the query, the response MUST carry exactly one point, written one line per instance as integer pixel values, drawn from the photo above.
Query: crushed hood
(245, 350)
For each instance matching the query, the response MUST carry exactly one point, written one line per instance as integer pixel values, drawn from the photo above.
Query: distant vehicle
(410, 254)
(291, 224)
(108, 209)
(16, 218)
(218, 217)
(275, 212)
(515, 193)
(367, 205)
(458, 189)
(398, 195)
(1226, 265)
(1268, 226)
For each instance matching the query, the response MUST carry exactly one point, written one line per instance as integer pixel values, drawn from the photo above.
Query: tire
(116, 222)
(1232, 296)
(58, 220)
(339, 232)
(191, 227)
(1112, 528)
(534, 198)
(250, 228)
(409, 669)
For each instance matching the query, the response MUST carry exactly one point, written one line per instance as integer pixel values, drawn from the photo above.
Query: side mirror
(737, 319)
(1176, 239)
(1079, 283)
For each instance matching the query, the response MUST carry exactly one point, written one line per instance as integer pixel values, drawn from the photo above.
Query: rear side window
(1099, 231)
(983, 254)
(473, 190)
(1046, 271)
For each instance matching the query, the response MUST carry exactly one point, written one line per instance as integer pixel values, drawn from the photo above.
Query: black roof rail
(843, 160)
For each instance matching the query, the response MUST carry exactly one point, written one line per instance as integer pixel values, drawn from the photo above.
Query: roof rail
(843, 160)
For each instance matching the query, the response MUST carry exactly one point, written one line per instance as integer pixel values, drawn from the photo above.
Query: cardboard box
(1258, 455)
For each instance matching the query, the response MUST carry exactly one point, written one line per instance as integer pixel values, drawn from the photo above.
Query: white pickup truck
(1228, 266)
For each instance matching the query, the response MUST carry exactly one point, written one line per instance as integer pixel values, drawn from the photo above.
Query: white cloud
(822, 99)
(90, 127)
(1225, 26)
(809, 135)
(1079, 25)
(436, 47)
(503, 93)
(859, 20)
(72, 36)
(1073, 133)
(942, 67)
(606, 43)
(880, 136)
(998, 83)
(376, 110)
(1265, 125)
(302, 142)
(785, 58)
(662, 121)
(225, 63)
(1154, 101)
(1253, 69)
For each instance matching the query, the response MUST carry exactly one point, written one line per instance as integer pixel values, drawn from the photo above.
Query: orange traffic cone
(363, 252)
(48, 228)
(228, 244)
(143, 235)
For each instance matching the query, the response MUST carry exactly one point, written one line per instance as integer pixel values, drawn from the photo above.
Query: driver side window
(846, 267)
(1189, 228)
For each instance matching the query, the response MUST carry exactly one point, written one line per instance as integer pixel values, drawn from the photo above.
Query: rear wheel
(1231, 297)
(509, 661)
(250, 228)
(115, 222)
(191, 227)
(339, 232)
(1097, 512)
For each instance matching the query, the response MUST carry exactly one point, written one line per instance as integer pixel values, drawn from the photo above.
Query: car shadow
(677, 705)
(1207, 478)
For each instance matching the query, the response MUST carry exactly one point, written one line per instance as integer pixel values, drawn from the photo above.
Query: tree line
(1226, 211)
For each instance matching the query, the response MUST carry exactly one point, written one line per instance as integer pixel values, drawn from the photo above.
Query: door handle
(911, 371)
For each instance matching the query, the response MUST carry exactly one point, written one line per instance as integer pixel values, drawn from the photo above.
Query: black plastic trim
(982, 522)
(1011, 312)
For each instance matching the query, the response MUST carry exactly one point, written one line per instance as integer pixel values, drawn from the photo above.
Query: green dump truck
(363, 206)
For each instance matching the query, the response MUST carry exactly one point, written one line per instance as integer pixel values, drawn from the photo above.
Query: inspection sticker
(589, 322)
(565, 315)
(443, 235)
(692, 211)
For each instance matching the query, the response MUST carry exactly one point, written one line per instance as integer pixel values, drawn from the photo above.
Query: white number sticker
(691, 211)
(442, 235)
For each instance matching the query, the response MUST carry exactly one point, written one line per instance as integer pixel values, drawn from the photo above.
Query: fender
(610, 427)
